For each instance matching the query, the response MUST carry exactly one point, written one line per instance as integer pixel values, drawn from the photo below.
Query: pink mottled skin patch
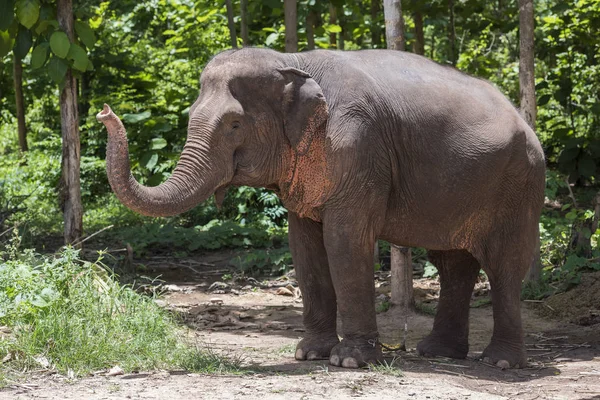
(307, 184)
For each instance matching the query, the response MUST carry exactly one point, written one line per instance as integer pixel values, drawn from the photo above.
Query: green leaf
(85, 34)
(271, 38)
(544, 100)
(28, 12)
(158, 143)
(333, 28)
(23, 43)
(135, 118)
(151, 163)
(6, 43)
(7, 13)
(79, 57)
(42, 26)
(60, 44)
(90, 66)
(57, 69)
(39, 55)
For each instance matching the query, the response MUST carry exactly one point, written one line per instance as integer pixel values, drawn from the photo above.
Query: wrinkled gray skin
(365, 145)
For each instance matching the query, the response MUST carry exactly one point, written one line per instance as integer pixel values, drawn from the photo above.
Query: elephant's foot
(436, 345)
(356, 353)
(504, 355)
(316, 347)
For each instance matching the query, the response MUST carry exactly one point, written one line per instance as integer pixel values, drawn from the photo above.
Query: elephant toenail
(312, 355)
(334, 360)
(300, 355)
(349, 363)
(503, 364)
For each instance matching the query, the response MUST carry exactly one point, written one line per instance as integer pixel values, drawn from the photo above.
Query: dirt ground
(259, 323)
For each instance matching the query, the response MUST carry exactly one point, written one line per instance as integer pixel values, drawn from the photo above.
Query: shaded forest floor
(259, 322)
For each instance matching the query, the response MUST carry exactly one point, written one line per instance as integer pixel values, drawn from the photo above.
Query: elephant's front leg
(350, 253)
(318, 295)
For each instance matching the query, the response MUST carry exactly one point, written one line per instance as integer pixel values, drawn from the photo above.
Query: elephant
(360, 146)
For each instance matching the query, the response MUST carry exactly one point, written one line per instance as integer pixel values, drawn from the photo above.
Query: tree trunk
(231, 24)
(402, 277)
(342, 23)
(394, 24)
(311, 20)
(291, 26)
(419, 45)
(375, 28)
(526, 62)
(400, 258)
(69, 121)
(451, 34)
(20, 103)
(527, 96)
(244, 17)
(333, 21)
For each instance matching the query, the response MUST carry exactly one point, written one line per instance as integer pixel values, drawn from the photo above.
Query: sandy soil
(260, 322)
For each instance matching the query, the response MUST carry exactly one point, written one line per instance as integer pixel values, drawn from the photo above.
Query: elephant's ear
(305, 108)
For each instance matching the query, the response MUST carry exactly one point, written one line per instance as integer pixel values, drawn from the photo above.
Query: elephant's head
(253, 122)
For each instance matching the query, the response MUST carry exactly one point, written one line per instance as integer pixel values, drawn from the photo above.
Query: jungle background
(144, 58)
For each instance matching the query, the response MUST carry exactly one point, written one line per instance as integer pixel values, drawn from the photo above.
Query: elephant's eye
(235, 125)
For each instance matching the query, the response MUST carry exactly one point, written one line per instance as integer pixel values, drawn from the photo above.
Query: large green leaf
(59, 43)
(158, 143)
(79, 57)
(85, 34)
(39, 55)
(135, 118)
(23, 43)
(7, 13)
(6, 43)
(28, 12)
(57, 69)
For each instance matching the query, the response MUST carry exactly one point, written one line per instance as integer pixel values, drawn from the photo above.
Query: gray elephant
(360, 146)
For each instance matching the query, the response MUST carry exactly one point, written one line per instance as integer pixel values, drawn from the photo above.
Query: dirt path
(260, 322)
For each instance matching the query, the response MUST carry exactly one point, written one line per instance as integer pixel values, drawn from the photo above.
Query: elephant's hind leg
(318, 295)
(458, 271)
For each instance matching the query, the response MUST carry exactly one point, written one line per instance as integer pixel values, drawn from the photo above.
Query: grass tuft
(73, 316)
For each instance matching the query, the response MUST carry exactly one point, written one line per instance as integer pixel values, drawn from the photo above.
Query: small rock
(173, 288)
(160, 303)
(218, 285)
(284, 291)
(114, 371)
(216, 300)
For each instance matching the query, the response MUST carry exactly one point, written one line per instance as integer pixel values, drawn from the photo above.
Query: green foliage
(72, 315)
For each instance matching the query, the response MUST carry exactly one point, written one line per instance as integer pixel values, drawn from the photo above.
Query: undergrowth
(63, 313)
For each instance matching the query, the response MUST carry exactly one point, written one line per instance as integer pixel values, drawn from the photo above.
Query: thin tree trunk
(244, 17)
(333, 21)
(375, 28)
(402, 277)
(419, 44)
(311, 19)
(527, 96)
(451, 34)
(342, 23)
(400, 257)
(394, 24)
(231, 24)
(526, 62)
(20, 103)
(291, 26)
(69, 121)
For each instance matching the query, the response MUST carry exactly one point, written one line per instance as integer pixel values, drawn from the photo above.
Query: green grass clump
(71, 315)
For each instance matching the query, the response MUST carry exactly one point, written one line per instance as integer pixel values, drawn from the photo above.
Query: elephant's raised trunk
(186, 188)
